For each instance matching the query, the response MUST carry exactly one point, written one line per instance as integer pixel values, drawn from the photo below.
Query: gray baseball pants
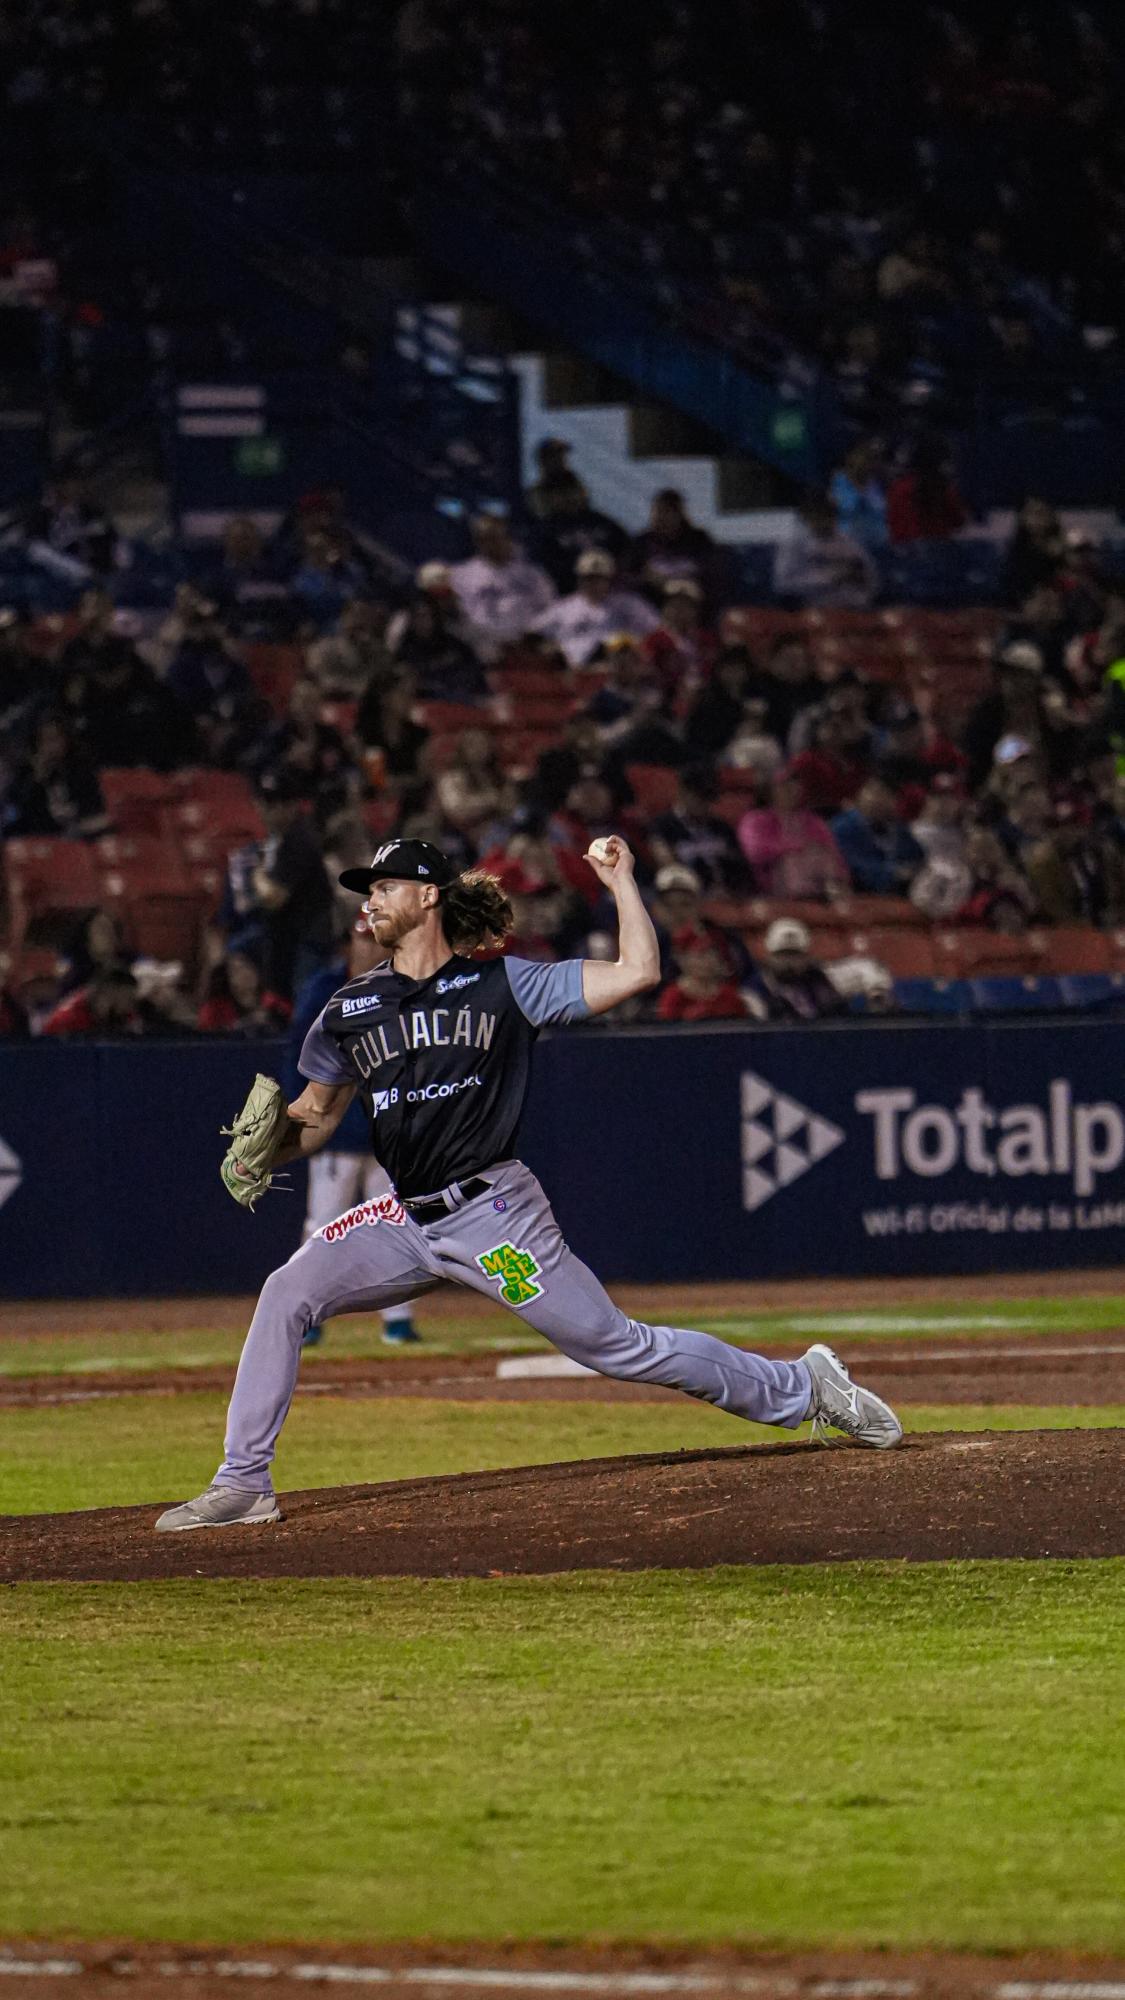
(506, 1244)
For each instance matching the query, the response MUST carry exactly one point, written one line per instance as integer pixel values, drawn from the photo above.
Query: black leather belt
(425, 1211)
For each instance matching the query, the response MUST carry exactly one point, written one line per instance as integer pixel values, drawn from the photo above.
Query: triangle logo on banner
(781, 1140)
(11, 1172)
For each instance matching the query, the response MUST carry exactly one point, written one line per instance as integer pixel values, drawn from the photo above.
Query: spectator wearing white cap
(680, 647)
(434, 582)
(595, 611)
(678, 907)
(789, 984)
(501, 593)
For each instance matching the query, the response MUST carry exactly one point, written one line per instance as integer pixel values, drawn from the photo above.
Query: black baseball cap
(401, 861)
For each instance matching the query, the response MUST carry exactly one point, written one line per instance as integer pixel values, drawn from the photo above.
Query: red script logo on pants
(386, 1208)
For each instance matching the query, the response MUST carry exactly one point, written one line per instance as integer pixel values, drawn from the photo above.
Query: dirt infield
(525, 1972)
(941, 1496)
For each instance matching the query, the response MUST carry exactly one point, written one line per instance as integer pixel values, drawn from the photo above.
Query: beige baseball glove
(256, 1136)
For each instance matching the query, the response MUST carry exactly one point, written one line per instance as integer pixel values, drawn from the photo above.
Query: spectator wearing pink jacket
(790, 849)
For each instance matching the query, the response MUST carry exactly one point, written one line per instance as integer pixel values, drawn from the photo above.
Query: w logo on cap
(384, 853)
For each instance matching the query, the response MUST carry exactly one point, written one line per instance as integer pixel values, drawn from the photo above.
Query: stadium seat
(537, 683)
(231, 824)
(134, 798)
(932, 996)
(1032, 995)
(1079, 948)
(885, 912)
(150, 868)
(159, 925)
(51, 874)
(142, 858)
(1091, 990)
(970, 953)
(905, 953)
(226, 789)
(445, 718)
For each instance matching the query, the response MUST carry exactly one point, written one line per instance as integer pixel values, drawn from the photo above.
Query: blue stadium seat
(1015, 996)
(933, 996)
(1087, 990)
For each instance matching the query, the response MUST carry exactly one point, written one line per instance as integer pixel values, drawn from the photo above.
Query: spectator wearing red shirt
(831, 772)
(236, 1002)
(702, 989)
(107, 1006)
(923, 505)
(681, 650)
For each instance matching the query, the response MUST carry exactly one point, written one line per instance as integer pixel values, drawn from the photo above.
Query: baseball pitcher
(438, 1045)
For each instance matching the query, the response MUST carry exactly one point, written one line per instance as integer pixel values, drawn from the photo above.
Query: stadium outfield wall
(722, 1152)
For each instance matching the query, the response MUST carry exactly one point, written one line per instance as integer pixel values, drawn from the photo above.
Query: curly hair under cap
(476, 914)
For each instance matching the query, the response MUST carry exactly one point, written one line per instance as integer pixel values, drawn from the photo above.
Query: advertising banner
(724, 1153)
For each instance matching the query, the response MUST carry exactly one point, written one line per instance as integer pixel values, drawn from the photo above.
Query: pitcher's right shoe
(840, 1404)
(220, 1507)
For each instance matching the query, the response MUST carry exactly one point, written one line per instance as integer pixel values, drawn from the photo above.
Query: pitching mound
(1033, 1493)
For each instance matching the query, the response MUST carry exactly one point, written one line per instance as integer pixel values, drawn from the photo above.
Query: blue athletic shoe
(400, 1332)
(313, 1336)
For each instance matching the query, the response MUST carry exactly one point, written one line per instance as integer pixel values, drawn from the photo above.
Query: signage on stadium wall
(726, 1153)
(884, 1149)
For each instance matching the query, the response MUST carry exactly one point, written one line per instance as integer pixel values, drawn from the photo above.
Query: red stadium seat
(445, 717)
(134, 798)
(225, 789)
(881, 912)
(231, 824)
(140, 856)
(51, 874)
(152, 868)
(907, 954)
(166, 927)
(1074, 949)
(537, 683)
(970, 952)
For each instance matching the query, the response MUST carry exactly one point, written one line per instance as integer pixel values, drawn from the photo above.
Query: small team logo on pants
(516, 1272)
(385, 1208)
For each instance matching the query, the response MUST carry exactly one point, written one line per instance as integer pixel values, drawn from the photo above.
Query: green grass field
(899, 1755)
(882, 1754)
(122, 1450)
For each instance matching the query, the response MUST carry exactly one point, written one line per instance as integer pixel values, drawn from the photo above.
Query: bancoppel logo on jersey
(455, 985)
(430, 1093)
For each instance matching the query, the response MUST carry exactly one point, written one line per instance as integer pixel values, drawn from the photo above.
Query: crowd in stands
(915, 203)
(178, 790)
(914, 206)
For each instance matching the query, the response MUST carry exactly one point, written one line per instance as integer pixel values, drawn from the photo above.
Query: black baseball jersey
(443, 1063)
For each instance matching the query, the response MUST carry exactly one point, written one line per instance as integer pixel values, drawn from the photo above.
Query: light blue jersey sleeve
(547, 993)
(321, 1060)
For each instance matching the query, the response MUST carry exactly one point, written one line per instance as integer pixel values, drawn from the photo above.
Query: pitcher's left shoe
(840, 1404)
(220, 1507)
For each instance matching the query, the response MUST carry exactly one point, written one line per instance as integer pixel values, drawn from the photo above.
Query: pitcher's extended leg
(370, 1266)
(518, 1255)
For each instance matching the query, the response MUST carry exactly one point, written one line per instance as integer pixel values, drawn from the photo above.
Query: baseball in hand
(602, 850)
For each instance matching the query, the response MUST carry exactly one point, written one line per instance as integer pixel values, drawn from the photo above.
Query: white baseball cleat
(220, 1507)
(840, 1404)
